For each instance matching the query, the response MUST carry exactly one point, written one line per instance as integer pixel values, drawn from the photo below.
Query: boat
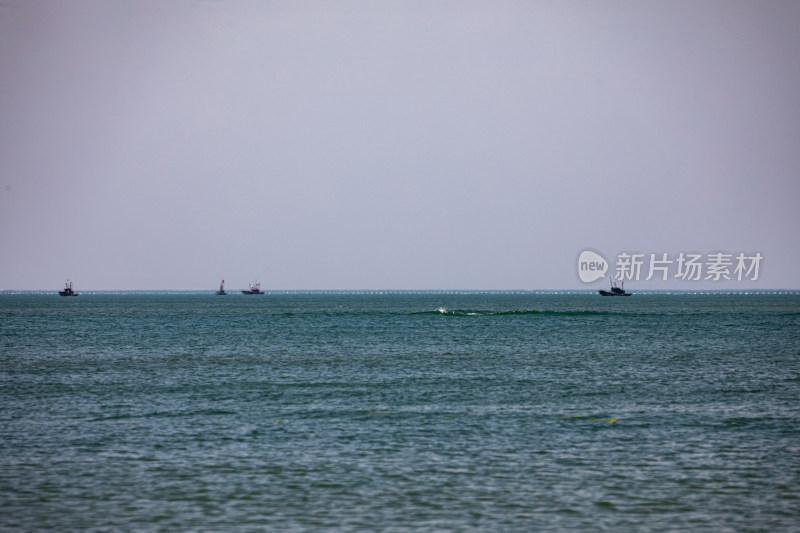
(254, 289)
(615, 291)
(221, 291)
(67, 290)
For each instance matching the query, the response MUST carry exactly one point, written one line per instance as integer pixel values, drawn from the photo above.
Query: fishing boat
(68, 290)
(254, 289)
(615, 291)
(221, 291)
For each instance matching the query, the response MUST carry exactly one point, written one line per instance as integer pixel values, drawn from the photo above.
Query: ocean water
(400, 412)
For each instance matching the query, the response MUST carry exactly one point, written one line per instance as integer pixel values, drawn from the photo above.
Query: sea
(400, 411)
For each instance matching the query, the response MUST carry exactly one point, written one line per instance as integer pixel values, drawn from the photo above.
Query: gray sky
(392, 145)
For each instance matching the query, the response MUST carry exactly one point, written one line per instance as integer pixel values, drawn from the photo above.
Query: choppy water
(400, 412)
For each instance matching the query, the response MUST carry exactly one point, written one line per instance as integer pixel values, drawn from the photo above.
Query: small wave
(162, 414)
(588, 418)
(482, 312)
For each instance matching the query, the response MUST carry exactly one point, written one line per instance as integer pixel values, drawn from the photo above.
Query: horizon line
(376, 290)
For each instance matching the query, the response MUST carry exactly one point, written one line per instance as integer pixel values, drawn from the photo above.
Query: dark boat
(221, 291)
(615, 291)
(68, 290)
(254, 289)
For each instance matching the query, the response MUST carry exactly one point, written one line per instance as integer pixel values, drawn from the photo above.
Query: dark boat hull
(67, 293)
(607, 293)
(251, 292)
(221, 293)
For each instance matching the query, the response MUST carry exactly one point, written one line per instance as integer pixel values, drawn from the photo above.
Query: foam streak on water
(398, 411)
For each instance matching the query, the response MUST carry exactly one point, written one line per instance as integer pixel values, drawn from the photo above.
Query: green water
(400, 412)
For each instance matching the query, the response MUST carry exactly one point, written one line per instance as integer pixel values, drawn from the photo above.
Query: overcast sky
(393, 145)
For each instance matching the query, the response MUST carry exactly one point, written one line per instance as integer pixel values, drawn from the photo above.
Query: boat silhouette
(67, 290)
(254, 289)
(615, 291)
